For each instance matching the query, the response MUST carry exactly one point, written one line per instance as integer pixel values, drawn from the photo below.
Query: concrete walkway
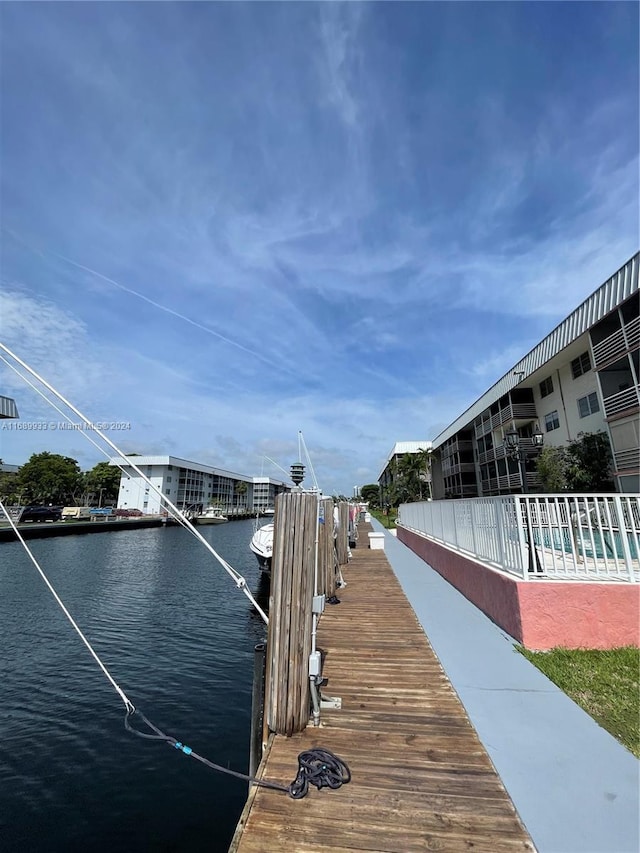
(577, 790)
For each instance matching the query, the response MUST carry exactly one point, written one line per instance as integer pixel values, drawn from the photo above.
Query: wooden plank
(421, 779)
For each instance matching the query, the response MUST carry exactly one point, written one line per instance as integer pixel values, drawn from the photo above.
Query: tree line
(52, 479)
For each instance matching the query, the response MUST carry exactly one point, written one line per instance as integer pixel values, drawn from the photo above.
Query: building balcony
(458, 468)
(622, 403)
(457, 446)
(526, 445)
(509, 483)
(514, 412)
(466, 491)
(627, 459)
(617, 344)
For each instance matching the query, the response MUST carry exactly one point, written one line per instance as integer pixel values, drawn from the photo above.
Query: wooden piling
(342, 543)
(290, 613)
(326, 550)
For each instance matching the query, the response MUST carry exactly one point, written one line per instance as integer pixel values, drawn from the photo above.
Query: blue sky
(224, 223)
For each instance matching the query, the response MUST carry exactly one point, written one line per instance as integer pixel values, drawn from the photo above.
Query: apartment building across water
(191, 485)
(584, 377)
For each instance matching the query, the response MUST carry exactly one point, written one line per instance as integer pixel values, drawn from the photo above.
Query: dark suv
(41, 513)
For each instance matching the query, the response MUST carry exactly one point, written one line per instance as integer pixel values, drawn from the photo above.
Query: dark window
(546, 387)
(551, 421)
(581, 365)
(588, 405)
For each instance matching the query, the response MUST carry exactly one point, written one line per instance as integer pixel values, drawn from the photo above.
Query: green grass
(387, 521)
(605, 683)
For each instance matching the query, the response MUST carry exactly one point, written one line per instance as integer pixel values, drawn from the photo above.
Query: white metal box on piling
(376, 541)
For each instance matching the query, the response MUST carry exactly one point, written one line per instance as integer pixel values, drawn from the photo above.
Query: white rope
(127, 703)
(286, 473)
(235, 575)
(58, 409)
(313, 473)
(85, 433)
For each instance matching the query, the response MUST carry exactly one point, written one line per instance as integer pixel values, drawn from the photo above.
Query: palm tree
(240, 490)
(413, 477)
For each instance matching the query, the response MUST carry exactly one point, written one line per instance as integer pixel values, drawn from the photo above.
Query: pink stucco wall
(540, 614)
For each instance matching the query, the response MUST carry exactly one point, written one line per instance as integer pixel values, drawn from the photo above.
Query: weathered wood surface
(422, 780)
(326, 551)
(289, 633)
(342, 541)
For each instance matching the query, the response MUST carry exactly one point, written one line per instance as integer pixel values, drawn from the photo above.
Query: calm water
(178, 637)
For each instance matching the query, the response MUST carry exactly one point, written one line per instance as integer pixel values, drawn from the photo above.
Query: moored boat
(262, 546)
(211, 515)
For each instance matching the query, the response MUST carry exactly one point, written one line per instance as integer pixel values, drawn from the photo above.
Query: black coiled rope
(319, 767)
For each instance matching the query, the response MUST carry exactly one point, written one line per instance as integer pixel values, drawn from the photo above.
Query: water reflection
(173, 629)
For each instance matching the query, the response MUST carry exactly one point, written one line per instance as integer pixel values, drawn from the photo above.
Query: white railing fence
(581, 537)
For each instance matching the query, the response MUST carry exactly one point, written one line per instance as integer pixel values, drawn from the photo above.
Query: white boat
(269, 511)
(211, 515)
(262, 546)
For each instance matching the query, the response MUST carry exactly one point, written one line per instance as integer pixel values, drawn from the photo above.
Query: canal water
(178, 637)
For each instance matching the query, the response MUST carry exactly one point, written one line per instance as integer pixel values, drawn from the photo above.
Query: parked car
(76, 513)
(40, 513)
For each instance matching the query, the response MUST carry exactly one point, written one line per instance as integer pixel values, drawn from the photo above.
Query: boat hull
(262, 546)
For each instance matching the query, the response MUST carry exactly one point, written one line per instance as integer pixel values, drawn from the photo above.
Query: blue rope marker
(319, 767)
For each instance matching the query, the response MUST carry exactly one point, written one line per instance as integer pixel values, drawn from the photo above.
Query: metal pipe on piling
(257, 706)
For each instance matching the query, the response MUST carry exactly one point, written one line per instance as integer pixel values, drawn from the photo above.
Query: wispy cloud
(341, 218)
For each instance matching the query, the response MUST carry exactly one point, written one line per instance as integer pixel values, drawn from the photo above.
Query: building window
(588, 405)
(551, 421)
(580, 365)
(168, 479)
(546, 387)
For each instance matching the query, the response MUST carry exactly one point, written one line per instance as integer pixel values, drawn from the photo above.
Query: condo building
(581, 378)
(190, 485)
(389, 473)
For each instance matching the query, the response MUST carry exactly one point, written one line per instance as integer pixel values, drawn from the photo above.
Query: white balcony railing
(618, 342)
(618, 403)
(627, 459)
(573, 537)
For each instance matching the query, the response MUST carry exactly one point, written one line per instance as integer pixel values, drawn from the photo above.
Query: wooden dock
(421, 779)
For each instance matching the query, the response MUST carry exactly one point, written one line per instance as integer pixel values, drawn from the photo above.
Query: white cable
(235, 575)
(313, 473)
(59, 410)
(178, 518)
(286, 473)
(127, 702)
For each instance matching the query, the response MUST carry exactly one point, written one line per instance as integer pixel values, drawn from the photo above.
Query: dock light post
(514, 451)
